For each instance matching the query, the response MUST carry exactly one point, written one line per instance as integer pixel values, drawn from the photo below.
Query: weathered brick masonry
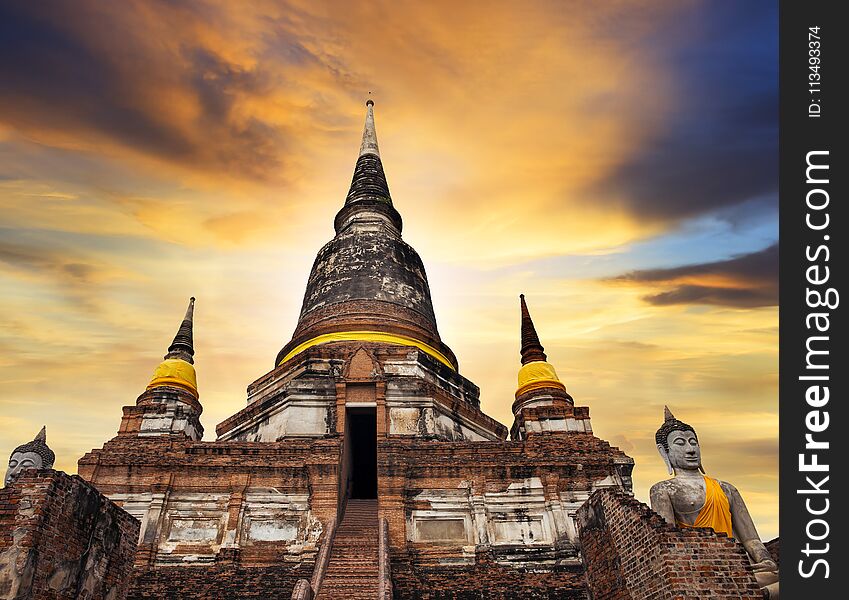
(220, 520)
(217, 582)
(61, 538)
(418, 575)
(515, 499)
(631, 553)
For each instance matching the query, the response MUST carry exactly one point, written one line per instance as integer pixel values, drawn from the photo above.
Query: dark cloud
(23, 257)
(47, 260)
(79, 271)
(74, 68)
(747, 281)
(76, 279)
(52, 78)
(719, 149)
(760, 267)
(703, 294)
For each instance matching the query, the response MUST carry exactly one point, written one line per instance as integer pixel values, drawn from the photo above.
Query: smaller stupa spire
(177, 369)
(183, 345)
(532, 350)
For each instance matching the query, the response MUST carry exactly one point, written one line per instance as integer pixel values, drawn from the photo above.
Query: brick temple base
(630, 552)
(61, 538)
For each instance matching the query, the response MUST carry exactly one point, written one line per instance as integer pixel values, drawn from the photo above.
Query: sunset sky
(616, 162)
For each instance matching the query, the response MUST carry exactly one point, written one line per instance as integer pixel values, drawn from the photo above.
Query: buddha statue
(32, 455)
(692, 499)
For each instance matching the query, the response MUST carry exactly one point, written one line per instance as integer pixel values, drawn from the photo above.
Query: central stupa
(367, 284)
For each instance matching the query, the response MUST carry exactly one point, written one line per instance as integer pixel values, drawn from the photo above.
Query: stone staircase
(352, 573)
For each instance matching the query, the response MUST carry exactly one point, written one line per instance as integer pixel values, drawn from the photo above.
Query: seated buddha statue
(692, 499)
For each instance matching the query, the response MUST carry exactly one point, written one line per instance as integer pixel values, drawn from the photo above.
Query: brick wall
(219, 582)
(61, 538)
(630, 552)
(420, 576)
(567, 466)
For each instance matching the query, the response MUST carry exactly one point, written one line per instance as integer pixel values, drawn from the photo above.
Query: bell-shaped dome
(367, 283)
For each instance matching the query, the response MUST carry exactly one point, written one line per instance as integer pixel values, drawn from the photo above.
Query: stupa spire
(532, 350)
(538, 383)
(369, 181)
(183, 345)
(177, 369)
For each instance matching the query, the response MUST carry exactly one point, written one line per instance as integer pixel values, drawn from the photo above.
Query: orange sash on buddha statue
(716, 512)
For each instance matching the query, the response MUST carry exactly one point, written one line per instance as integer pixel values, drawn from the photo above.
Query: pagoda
(362, 465)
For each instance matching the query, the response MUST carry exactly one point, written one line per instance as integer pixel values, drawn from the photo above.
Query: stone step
(352, 571)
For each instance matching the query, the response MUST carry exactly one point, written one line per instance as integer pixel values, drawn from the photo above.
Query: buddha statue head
(678, 444)
(32, 455)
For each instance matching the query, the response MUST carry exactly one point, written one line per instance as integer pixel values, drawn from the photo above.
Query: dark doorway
(362, 441)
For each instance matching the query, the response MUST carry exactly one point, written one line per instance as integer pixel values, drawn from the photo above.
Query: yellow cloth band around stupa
(174, 371)
(368, 336)
(536, 375)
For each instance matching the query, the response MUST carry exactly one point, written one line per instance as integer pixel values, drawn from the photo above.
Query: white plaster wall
(173, 420)
(568, 424)
(194, 519)
(406, 412)
(519, 514)
(271, 516)
(517, 522)
(404, 421)
(188, 529)
(429, 526)
(294, 417)
(272, 530)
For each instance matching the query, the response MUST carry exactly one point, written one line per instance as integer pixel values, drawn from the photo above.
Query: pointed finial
(183, 345)
(42, 435)
(369, 143)
(667, 414)
(532, 350)
(369, 181)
